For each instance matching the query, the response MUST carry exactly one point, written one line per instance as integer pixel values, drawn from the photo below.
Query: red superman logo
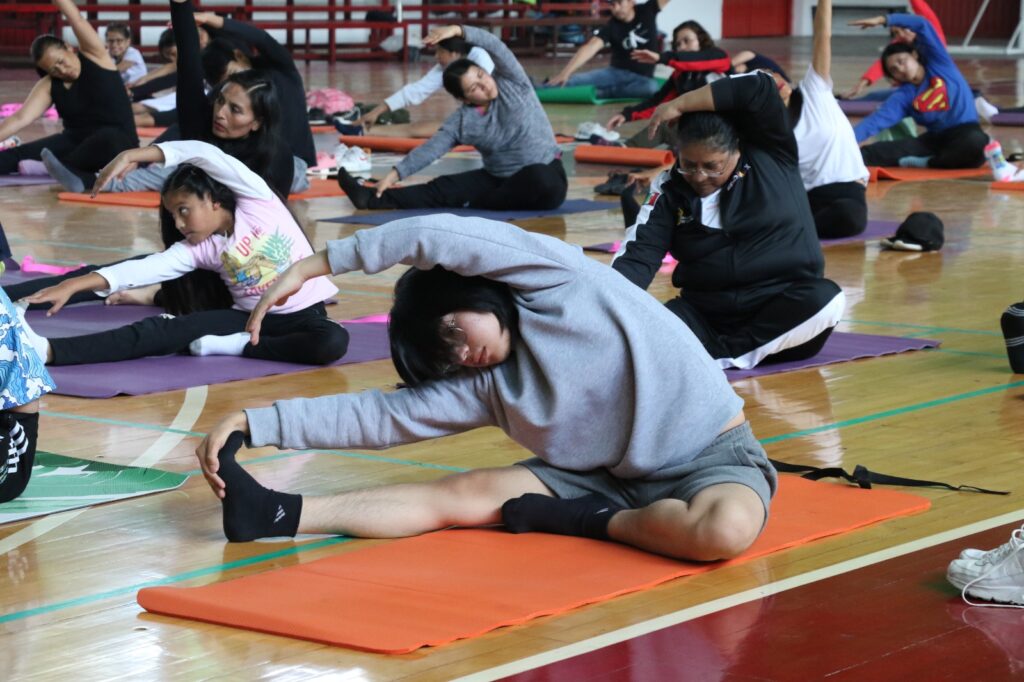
(934, 98)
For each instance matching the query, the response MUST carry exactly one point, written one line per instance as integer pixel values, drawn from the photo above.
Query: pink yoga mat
(367, 341)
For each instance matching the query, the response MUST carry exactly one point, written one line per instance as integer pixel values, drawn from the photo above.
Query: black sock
(14, 482)
(586, 517)
(359, 196)
(1012, 323)
(250, 510)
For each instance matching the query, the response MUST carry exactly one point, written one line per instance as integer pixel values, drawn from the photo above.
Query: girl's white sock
(232, 344)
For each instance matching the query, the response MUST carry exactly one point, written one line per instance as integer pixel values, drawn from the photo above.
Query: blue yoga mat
(570, 206)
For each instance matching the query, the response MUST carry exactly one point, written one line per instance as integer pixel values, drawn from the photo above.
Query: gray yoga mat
(25, 180)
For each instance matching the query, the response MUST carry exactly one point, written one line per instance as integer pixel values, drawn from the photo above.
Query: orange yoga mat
(438, 588)
(137, 199)
(624, 156)
(897, 173)
(320, 188)
(149, 131)
(1008, 186)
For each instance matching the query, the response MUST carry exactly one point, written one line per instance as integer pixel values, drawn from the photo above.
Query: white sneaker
(355, 160)
(588, 129)
(998, 576)
(10, 143)
(985, 109)
(995, 555)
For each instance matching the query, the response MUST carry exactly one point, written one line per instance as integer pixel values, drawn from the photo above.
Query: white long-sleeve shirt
(138, 66)
(416, 93)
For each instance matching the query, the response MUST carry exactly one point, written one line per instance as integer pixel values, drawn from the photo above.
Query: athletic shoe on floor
(350, 116)
(997, 554)
(615, 185)
(10, 143)
(599, 141)
(355, 160)
(317, 116)
(348, 128)
(1012, 323)
(588, 129)
(998, 576)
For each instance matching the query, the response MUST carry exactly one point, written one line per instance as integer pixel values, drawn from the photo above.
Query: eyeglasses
(693, 172)
(455, 340)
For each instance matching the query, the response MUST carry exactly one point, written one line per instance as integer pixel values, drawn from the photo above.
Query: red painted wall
(743, 18)
(956, 16)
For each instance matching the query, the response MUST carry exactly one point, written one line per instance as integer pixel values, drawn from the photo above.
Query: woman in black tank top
(87, 91)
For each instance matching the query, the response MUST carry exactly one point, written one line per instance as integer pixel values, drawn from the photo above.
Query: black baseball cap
(921, 231)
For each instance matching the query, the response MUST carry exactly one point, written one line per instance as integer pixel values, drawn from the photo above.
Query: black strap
(863, 477)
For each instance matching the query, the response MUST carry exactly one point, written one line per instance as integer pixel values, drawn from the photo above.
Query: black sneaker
(317, 116)
(6, 424)
(615, 185)
(1012, 323)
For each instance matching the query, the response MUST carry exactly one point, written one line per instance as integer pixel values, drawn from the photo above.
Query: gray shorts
(734, 457)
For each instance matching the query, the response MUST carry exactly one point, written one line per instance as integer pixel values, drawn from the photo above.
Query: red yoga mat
(1008, 186)
(441, 587)
(897, 173)
(623, 156)
(149, 131)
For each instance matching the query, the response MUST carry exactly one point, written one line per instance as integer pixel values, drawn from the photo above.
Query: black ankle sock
(359, 196)
(1012, 323)
(586, 517)
(15, 481)
(250, 510)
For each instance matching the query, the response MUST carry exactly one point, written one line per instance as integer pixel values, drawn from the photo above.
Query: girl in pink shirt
(218, 216)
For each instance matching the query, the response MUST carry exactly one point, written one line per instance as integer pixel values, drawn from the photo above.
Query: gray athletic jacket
(603, 375)
(514, 131)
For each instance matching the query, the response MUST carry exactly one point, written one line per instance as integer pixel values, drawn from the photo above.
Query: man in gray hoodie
(636, 435)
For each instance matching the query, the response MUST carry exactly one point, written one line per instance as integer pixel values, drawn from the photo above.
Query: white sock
(232, 344)
(38, 343)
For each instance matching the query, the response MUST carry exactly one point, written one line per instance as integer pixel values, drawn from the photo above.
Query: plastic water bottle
(1002, 170)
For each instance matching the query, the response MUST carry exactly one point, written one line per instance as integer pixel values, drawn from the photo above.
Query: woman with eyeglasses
(502, 117)
(496, 326)
(734, 213)
(85, 87)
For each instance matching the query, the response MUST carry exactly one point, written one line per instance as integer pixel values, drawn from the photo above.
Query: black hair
(165, 40)
(422, 298)
(256, 150)
(216, 56)
(703, 37)
(795, 106)
(200, 289)
(709, 129)
(453, 74)
(40, 45)
(897, 48)
(119, 27)
(456, 45)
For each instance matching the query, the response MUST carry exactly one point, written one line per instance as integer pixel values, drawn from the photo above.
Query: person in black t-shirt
(632, 29)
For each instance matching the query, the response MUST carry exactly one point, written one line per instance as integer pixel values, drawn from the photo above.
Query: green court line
(903, 325)
(119, 422)
(893, 412)
(1001, 356)
(188, 575)
(375, 294)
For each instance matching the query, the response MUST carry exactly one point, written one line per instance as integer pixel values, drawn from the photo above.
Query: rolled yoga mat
(577, 94)
(569, 207)
(434, 589)
(623, 156)
(368, 341)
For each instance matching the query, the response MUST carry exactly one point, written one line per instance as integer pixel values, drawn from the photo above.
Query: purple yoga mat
(570, 206)
(23, 180)
(1009, 118)
(367, 341)
(855, 107)
(840, 347)
(876, 229)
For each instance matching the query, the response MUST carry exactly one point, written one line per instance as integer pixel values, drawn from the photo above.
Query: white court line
(191, 409)
(639, 629)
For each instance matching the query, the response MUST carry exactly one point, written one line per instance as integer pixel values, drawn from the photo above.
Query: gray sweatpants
(152, 177)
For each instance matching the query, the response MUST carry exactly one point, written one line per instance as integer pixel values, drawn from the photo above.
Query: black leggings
(733, 335)
(23, 289)
(538, 186)
(306, 336)
(962, 146)
(84, 156)
(840, 209)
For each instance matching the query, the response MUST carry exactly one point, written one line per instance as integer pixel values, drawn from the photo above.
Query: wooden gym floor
(871, 604)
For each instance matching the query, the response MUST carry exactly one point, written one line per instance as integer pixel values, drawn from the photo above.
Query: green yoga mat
(62, 483)
(576, 94)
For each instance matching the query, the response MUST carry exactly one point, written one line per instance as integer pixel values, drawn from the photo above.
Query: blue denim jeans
(612, 83)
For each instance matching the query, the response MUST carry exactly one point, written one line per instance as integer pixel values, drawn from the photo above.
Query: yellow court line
(714, 606)
(191, 408)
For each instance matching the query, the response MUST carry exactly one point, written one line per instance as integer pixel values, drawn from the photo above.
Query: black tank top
(97, 99)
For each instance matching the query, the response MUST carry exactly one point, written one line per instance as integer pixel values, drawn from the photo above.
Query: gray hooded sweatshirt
(602, 375)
